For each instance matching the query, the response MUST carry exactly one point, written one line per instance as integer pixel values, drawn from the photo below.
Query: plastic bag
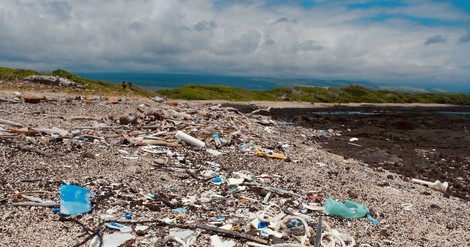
(347, 210)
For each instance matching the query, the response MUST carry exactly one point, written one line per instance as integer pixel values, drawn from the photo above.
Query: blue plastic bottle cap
(262, 224)
(217, 180)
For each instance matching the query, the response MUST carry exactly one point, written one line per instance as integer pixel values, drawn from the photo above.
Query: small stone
(160, 161)
(352, 195)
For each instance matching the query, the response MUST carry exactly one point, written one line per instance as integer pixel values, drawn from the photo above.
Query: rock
(51, 80)
(158, 99)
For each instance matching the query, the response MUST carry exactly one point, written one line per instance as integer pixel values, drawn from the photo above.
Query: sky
(389, 41)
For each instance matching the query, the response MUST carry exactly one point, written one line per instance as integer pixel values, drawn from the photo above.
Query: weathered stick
(34, 149)
(25, 132)
(82, 118)
(156, 142)
(164, 201)
(232, 234)
(36, 204)
(11, 123)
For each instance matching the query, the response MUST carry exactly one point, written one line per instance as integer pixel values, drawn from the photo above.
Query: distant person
(129, 85)
(124, 85)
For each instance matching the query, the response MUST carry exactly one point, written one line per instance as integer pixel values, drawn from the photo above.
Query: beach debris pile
(202, 201)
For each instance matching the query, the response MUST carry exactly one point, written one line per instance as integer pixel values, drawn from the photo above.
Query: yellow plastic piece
(273, 155)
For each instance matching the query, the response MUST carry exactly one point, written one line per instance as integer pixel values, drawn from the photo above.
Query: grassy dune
(92, 86)
(349, 94)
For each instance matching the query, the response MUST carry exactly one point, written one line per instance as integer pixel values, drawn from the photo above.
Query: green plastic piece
(349, 209)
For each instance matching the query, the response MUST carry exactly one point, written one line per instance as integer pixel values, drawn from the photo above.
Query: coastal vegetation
(348, 94)
(90, 86)
(313, 94)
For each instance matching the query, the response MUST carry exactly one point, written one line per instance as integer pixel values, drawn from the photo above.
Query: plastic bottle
(218, 142)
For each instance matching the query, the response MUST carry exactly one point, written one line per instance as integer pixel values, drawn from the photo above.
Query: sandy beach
(100, 152)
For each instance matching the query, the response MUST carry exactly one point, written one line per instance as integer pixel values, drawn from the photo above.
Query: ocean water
(155, 81)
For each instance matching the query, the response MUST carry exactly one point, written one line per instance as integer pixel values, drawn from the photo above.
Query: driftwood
(36, 204)
(156, 142)
(26, 132)
(34, 149)
(232, 234)
(11, 123)
(164, 201)
(82, 118)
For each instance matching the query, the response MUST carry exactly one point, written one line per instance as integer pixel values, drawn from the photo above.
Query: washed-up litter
(207, 195)
(117, 226)
(74, 200)
(437, 185)
(270, 154)
(189, 139)
(111, 240)
(217, 242)
(348, 209)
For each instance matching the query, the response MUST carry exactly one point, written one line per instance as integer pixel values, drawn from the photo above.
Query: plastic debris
(111, 240)
(74, 200)
(217, 242)
(217, 180)
(218, 142)
(270, 155)
(117, 226)
(437, 185)
(183, 236)
(189, 139)
(348, 210)
(372, 219)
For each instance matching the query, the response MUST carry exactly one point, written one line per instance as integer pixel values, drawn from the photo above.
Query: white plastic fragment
(120, 227)
(189, 139)
(217, 242)
(437, 185)
(407, 206)
(213, 152)
(235, 181)
(112, 240)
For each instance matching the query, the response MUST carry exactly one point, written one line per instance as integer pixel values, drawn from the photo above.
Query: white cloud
(326, 41)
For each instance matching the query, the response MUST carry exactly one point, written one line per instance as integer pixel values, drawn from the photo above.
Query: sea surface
(154, 81)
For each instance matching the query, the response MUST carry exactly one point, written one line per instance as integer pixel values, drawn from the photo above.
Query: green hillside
(90, 86)
(348, 94)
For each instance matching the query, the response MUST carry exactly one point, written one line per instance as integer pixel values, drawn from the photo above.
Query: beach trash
(347, 210)
(111, 240)
(189, 139)
(217, 242)
(120, 227)
(218, 142)
(437, 185)
(270, 155)
(74, 200)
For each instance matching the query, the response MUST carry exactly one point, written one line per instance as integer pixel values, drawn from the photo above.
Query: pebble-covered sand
(409, 214)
